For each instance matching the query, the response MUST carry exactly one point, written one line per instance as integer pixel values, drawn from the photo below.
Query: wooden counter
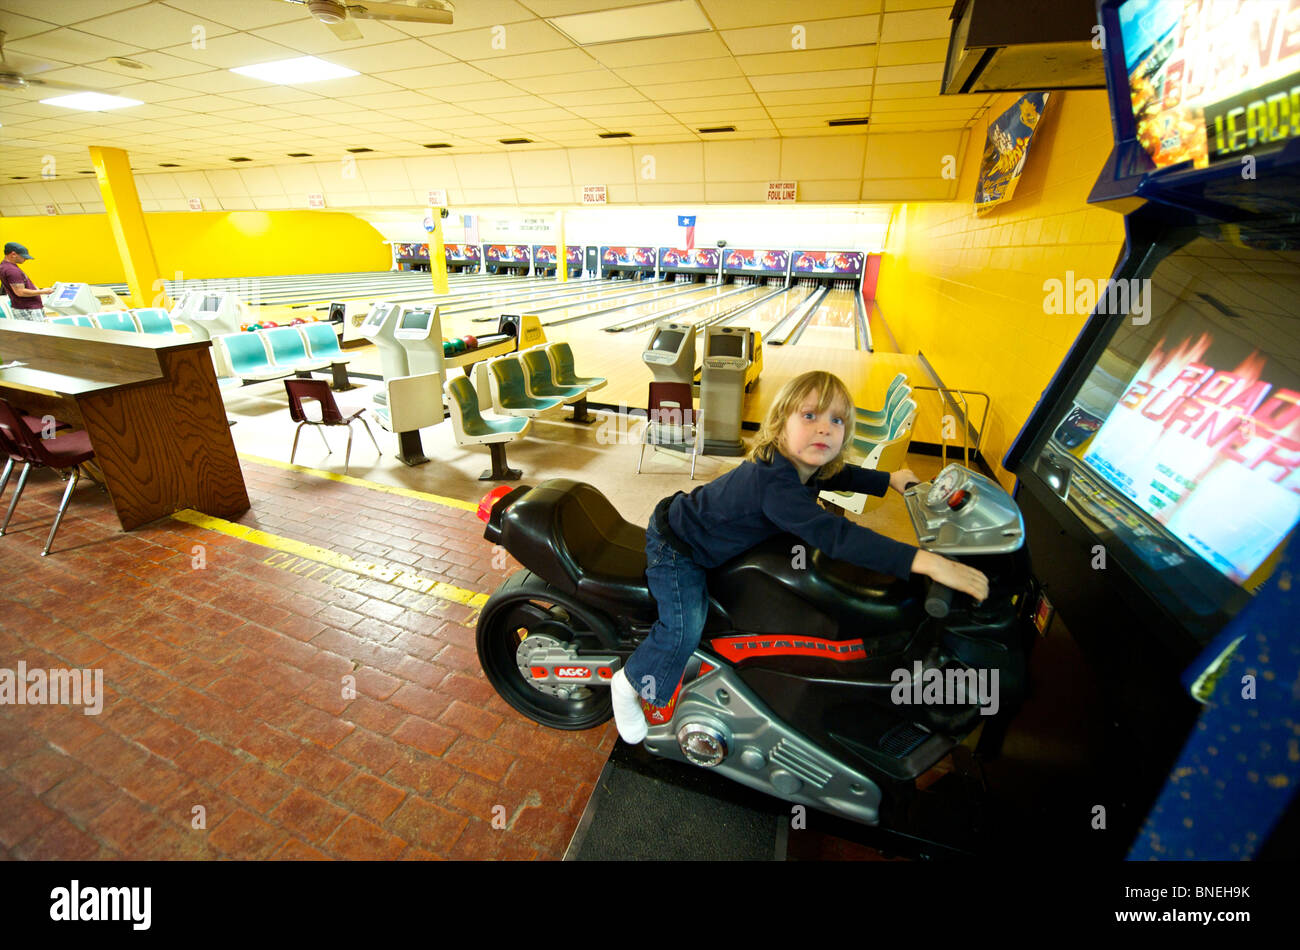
(150, 405)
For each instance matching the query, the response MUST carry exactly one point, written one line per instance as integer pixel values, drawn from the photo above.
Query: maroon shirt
(11, 275)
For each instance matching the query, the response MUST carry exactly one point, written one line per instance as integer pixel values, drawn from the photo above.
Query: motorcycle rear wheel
(525, 605)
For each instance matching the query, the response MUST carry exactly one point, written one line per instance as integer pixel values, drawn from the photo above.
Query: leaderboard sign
(1211, 79)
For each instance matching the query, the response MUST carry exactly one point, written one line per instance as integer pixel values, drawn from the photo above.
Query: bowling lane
(609, 294)
(546, 298)
(767, 313)
(832, 324)
(719, 305)
(660, 303)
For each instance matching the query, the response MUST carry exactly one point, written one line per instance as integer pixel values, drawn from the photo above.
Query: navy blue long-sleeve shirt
(757, 500)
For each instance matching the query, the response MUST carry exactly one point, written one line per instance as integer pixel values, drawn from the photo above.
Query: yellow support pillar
(438, 253)
(126, 217)
(561, 252)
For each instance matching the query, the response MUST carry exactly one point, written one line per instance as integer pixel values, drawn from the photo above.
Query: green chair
(540, 385)
(510, 392)
(120, 320)
(470, 428)
(878, 416)
(878, 430)
(900, 426)
(561, 356)
(82, 321)
(323, 344)
(289, 350)
(248, 359)
(153, 320)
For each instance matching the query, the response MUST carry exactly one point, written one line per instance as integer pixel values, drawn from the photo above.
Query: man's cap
(11, 247)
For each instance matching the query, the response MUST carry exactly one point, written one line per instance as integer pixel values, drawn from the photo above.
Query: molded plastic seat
(117, 320)
(17, 440)
(248, 359)
(331, 414)
(79, 321)
(470, 428)
(153, 320)
(323, 344)
(289, 350)
(878, 416)
(537, 377)
(561, 356)
(509, 392)
(900, 428)
(904, 408)
(877, 425)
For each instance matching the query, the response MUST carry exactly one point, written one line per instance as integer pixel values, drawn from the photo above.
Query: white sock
(627, 709)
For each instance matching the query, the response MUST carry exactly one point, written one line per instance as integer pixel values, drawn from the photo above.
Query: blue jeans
(678, 585)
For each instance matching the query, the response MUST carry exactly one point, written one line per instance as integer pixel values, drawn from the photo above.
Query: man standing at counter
(24, 296)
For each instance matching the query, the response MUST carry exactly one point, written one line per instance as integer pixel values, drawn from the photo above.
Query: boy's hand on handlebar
(900, 479)
(952, 574)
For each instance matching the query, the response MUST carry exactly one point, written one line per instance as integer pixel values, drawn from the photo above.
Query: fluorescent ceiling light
(633, 23)
(295, 72)
(91, 101)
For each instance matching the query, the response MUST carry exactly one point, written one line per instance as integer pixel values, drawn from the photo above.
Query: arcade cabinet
(1159, 474)
(722, 388)
(671, 354)
(419, 333)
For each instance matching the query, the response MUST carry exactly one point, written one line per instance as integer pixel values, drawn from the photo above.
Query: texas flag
(687, 221)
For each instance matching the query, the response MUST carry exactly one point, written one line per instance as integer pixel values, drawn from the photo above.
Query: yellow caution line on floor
(363, 483)
(398, 576)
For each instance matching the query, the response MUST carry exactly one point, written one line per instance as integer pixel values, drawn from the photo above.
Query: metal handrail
(946, 395)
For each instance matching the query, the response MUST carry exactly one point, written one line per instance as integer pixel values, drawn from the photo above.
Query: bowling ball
(254, 326)
(297, 322)
(447, 348)
(471, 343)
(243, 327)
(458, 345)
(269, 324)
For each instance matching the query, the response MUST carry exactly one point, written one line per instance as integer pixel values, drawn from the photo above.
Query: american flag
(687, 221)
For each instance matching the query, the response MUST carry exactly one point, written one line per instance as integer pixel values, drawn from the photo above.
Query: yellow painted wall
(79, 247)
(967, 291)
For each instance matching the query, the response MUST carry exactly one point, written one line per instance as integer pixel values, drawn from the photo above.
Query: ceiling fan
(12, 79)
(338, 14)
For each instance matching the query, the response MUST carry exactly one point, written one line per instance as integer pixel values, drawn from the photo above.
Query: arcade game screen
(667, 341)
(377, 316)
(210, 305)
(68, 293)
(1183, 441)
(1211, 78)
(415, 320)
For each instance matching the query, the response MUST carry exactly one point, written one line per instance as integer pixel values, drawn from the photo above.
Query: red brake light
(487, 501)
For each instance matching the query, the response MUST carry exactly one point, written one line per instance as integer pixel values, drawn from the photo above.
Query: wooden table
(150, 405)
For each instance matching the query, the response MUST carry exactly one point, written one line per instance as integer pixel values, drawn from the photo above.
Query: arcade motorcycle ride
(795, 689)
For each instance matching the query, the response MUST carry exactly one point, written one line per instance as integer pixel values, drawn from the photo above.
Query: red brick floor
(225, 732)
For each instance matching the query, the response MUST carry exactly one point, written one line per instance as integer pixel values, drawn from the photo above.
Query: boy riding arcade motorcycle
(815, 680)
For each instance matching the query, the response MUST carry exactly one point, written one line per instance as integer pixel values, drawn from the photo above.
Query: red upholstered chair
(69, 451)
(331, 414)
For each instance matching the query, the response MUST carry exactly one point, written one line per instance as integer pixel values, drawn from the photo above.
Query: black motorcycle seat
(569, 534)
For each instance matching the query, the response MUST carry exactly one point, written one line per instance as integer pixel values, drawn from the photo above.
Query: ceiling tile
(666, 50)
(242, 14)
(840, 77)
(553, 63)
(236, 49)
(308, 36)
(386, 57)
(845, 57)
(730, 15)
(917, 51)
(162, 27)
(928, 24)
(500, 39)
(64, 12)
(804, 34)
